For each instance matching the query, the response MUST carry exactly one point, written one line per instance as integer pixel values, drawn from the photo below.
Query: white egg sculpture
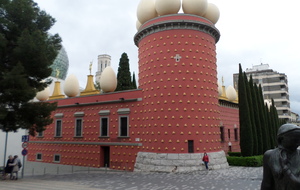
(220, 89)
(212, 13)
(138, 24)
(43, 95)
(146, 10)
(71, 86)
(231, 93)
(108, 80)
(196, 7)
(165, 7)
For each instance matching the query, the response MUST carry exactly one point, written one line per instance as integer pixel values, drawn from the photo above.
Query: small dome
(108, 80)
(212, 13)
(146, 10)
(165, 7)
(231, 93)
(71, 86)
(43, 95)
(220, 92)
(196, 7)
(60, 63)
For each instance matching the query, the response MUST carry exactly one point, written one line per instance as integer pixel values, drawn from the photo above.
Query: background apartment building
(274, 85)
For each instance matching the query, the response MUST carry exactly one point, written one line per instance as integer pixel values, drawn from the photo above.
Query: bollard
(45, 171)
(105, 168)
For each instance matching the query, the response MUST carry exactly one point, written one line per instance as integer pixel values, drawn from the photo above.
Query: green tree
(263, 120)
(26, 52)
(134, 86)
(257, 120)
(250, 93)
(246, 139)
(124, 76)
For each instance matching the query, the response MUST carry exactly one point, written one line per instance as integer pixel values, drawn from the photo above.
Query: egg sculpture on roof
(108, 80)
(146, 10)
(138, 25)
(71, 86)
(231, 93)
(220, 89)
(165, 7)
(212, 13)
(196, 7)
(43, 95)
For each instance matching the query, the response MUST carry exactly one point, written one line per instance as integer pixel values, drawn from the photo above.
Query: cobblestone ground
(234, 178)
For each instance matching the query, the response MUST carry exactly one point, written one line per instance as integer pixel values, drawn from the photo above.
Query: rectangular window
(228, 134)
(40, 134)
(58, 128)
(190, 146)
(104, 126)
(56, 158)
(236, 134)
(39, 156)
(123, 126)
(222, 134)
(78, 128)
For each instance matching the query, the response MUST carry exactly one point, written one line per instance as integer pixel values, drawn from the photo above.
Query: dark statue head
(288, 136)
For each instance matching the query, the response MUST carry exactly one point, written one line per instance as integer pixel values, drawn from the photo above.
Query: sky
(252, 32)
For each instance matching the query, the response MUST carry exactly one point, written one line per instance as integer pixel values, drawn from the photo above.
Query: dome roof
(60, 63)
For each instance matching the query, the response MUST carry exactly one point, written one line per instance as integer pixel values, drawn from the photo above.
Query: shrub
(236, 154)
(252, 161)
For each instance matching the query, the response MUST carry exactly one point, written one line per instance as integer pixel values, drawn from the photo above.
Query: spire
(56, 92)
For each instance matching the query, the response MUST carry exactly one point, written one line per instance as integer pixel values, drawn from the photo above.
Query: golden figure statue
(90, 68)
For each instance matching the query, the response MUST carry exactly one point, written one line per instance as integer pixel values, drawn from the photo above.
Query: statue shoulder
(271, 152)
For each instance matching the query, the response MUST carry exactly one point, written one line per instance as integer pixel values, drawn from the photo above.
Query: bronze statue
(282, 164)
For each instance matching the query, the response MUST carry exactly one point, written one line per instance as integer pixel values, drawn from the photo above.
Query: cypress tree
(246, 139)
(262, 117)
(124, 76)
(276, 120)
(249, 87)
(257, 120)
(134, 86)
(268, 127)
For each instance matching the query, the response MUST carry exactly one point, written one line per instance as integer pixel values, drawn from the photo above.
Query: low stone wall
(188, 162)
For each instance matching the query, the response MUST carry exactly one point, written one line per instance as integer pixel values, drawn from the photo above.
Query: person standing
(8, 169)
(16, 167)
(205, 159)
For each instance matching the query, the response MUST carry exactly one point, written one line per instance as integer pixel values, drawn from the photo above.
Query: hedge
(253, 161)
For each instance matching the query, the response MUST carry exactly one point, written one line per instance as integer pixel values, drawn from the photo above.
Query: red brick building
(173, 117)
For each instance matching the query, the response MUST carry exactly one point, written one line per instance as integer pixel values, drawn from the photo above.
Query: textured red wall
(180, 98)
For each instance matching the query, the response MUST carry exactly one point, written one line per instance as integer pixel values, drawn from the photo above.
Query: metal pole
(5, 148)
(23, 166)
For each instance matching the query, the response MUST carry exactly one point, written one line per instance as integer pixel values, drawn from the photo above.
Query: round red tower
(178, 75)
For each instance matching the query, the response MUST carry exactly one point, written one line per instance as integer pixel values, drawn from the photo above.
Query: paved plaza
(233, 178)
